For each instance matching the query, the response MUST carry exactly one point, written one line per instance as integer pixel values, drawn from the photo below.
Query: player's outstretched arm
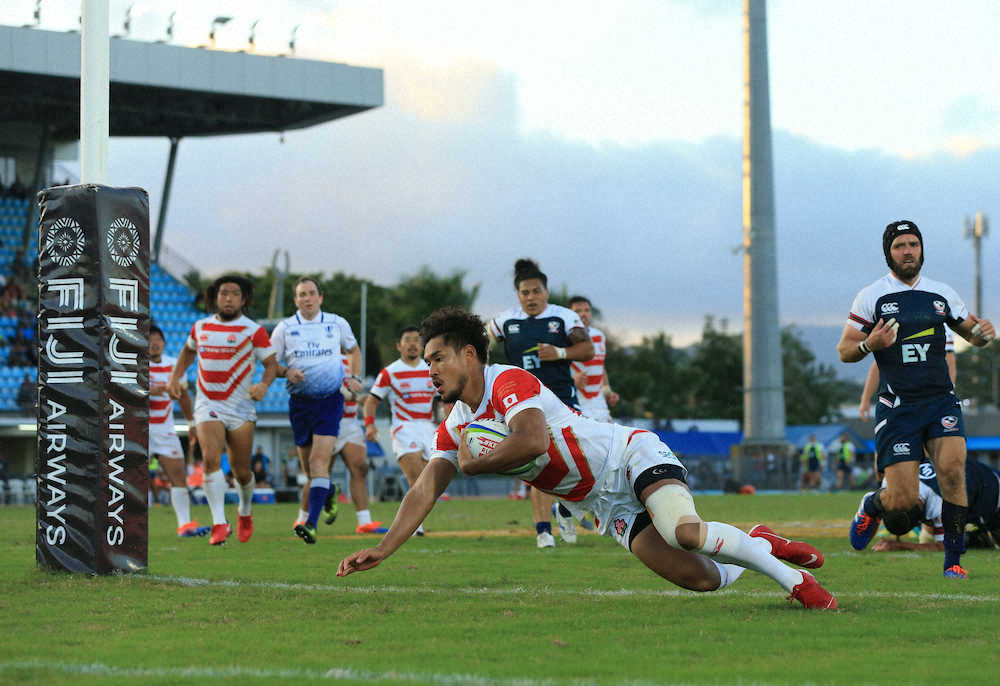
(417, 503)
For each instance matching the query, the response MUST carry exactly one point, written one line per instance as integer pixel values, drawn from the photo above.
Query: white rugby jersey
(592, 395)
(350, 406)
(579, 447)
(161, 407)
(314, 347)
(409, 389)
(227, 352)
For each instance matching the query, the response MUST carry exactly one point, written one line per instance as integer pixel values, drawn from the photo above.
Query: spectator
(27, 396)
(259, 470)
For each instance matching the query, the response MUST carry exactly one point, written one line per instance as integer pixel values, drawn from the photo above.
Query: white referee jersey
(314, 346)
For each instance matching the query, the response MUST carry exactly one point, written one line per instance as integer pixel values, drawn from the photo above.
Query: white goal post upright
(95, 92)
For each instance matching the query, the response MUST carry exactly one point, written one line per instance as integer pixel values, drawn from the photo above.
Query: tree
(716, 378)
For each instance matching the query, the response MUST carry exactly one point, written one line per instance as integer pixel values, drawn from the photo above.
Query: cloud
(443, 176)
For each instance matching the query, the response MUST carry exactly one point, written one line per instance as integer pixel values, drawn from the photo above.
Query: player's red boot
(812, 595)
(797, 552)
(244, 528)
(220, 532)
(369, 528)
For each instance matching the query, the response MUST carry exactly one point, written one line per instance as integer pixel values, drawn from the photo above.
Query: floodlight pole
(95, 117)
(167, 183)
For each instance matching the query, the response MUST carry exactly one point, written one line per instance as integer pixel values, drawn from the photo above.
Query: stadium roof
(167, 90)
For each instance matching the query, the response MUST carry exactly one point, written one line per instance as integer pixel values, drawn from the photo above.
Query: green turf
(487, 609)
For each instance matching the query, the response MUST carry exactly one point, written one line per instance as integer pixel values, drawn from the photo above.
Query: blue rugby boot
(864, 526)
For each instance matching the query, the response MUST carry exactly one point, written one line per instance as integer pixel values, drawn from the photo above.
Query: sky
(602, 139)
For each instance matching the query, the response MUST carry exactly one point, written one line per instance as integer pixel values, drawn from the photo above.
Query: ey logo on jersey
(916, 352)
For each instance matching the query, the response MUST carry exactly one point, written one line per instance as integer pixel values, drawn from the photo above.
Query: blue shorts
(901, 431)
(315, 416)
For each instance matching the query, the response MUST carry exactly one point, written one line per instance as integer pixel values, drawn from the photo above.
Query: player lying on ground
(982, 485)
(627, 477)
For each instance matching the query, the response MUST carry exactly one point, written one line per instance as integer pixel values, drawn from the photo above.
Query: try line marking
(523, 590)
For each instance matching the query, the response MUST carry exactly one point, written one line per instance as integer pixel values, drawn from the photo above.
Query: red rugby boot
(796, 552)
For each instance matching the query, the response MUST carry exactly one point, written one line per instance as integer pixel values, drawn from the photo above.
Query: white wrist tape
(561, 353)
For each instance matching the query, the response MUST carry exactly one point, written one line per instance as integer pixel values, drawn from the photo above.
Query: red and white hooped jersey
(579, 447)
(161, 406)
(409, 389)
(593, 368)
(227, 355)
(350, 406)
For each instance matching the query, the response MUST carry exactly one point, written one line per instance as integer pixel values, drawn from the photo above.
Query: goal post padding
(93, 379)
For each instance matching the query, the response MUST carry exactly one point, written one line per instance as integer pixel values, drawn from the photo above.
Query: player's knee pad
(669, 506)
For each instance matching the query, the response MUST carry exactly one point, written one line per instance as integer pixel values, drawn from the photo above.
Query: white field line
(336, 673)
(544, 591)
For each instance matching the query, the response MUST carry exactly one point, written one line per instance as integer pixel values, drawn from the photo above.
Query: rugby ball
(483, 435)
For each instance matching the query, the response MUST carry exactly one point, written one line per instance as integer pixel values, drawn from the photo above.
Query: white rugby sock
(728, 574)
(214, 485)
(303, 515)
(246, 496)
(364, 517)
(726, 543)
(181, 501)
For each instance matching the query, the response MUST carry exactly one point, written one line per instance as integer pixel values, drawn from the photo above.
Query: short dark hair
(899, 522)
(246, 288)
(459, 328)
(302, 279)
(407, 329)
(153, 328)
(579, 299)
(525, 269)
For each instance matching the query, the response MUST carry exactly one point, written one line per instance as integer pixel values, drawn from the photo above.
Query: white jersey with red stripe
(161, 406)
(227, 355)
(592, 401)
(409, 389)
(350, 406)
(579, 447)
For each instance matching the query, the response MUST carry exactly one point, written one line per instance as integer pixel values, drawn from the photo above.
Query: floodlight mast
(94, 91)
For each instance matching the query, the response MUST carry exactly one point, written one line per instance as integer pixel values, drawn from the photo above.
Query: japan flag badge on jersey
(510, 400)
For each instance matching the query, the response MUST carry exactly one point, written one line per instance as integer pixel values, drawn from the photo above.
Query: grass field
(476, 603)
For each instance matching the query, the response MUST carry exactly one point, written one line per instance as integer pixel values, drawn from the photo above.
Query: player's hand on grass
(360, 561)
(888, 545)
(884, 334)
(258, 391)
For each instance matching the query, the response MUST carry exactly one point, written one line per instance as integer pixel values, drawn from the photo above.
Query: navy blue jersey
(913, 367)
(521, 335)
(982, 486)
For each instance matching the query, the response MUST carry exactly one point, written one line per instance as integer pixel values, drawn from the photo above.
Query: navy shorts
(315, 416)
(900, 431)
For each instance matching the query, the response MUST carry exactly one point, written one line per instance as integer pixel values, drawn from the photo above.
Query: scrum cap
(894, 231)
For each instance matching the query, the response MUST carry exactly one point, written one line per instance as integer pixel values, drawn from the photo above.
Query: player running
(631, 480)
(353, 449)
(590, 377)
(163, 441)
(544, 340)
(901, 318)
(308, 346)
(407, 384)
(227, 345)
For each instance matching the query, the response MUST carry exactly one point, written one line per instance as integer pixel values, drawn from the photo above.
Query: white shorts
(615, 504)
(413, 437)
(350, 432)
(165, 443)
(232, 415)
